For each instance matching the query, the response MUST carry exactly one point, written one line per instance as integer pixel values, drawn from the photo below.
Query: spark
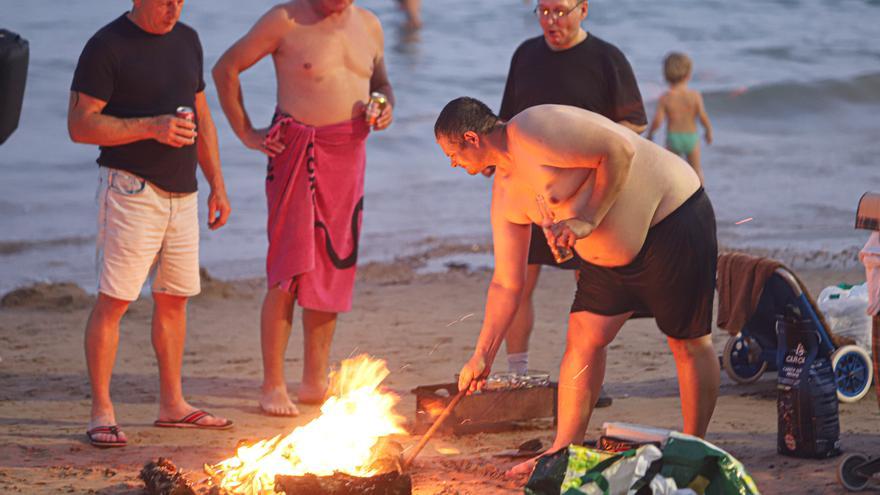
(744, 220)
(739, 91)
(581, 371)
(459, 320)
(353, 351)
(434, 349)
(466, 420)
(405, 366)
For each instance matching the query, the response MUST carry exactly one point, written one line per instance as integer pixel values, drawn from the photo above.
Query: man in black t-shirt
(564, 66)
(130, 79)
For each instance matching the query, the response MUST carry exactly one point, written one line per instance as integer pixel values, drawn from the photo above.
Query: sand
(399, 315)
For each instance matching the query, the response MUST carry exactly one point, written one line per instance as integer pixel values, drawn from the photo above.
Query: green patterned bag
(705, 468)
(595, 472)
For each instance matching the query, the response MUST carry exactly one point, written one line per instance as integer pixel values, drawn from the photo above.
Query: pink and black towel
(315, 194)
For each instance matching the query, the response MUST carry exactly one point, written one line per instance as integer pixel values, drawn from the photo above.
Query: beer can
(375, 106)
(186, 113)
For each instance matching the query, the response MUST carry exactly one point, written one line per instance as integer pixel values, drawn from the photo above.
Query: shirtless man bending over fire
(633, 211)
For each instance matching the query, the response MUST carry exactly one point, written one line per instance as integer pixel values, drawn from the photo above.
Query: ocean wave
(787, 98)
(9, 248)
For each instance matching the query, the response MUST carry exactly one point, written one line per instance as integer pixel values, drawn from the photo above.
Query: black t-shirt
(593, 75)
(140, 74)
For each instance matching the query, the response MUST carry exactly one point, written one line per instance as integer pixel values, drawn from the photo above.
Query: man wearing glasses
(565, 66)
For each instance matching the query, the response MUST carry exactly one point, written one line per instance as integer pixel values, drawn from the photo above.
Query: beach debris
(162, 477)
(744, 220)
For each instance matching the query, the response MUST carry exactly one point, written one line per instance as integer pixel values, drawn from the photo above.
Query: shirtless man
(328, 56)
(634, 212)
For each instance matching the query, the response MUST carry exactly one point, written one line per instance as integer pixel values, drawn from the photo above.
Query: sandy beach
(399, 315)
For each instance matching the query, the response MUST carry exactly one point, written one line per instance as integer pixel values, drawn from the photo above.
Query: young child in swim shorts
(681, 106)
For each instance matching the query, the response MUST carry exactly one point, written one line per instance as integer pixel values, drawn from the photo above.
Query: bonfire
(349, 438)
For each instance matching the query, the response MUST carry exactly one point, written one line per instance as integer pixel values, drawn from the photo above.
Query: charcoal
(162, 477)
(392, 483)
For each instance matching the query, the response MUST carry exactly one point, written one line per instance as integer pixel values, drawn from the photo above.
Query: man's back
(323, 63)
(556, 149)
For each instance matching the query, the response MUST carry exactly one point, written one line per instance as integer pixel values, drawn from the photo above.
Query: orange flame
(344, 438)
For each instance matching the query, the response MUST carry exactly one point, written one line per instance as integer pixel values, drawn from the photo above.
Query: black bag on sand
(13, 72)
(806, 401)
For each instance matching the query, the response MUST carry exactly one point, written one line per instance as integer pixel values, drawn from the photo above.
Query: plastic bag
(548, 474)
(614, 475)
(708, 470)
(870, 257)
(845, 311)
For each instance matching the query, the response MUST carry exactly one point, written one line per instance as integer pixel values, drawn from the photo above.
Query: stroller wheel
(847, 475)
(853, 371)
(742, 359)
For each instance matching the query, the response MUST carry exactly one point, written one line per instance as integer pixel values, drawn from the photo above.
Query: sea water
(792, 88)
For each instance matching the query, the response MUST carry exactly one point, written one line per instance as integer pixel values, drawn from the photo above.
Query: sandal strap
(194, 417)
(108, 429)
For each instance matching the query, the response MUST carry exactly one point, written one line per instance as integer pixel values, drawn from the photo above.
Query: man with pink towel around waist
(328, 56)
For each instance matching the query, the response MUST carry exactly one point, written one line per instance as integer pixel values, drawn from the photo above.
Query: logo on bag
(798, 357)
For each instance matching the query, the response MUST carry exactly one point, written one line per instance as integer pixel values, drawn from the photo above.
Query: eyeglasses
(545, 13)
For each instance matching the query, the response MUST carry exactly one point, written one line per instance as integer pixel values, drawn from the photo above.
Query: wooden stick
(437, 423)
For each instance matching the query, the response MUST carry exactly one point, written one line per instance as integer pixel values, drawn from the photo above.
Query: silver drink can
(375, 106)
(186, 113)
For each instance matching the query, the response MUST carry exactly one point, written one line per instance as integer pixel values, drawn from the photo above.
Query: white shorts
(145, 232)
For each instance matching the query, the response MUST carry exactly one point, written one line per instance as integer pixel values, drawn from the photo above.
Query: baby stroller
(752, 351)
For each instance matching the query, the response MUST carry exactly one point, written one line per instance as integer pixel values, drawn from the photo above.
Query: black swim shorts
(540, 253)
(672, 278)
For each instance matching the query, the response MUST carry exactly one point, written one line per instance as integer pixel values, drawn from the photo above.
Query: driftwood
(162, 477)
(392, 483)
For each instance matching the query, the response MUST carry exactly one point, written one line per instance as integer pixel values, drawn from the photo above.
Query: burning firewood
(346, 449)
(162, 477)
(392, 483)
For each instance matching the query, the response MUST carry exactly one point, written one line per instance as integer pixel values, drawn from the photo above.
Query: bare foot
(312, 394)
(276, 402)
(525, 468)
(183, 409)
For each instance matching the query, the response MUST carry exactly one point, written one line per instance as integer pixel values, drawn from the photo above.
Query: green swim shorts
(681, 143)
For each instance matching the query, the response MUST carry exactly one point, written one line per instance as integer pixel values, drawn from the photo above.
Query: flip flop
(104, 444)
(191, 420)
